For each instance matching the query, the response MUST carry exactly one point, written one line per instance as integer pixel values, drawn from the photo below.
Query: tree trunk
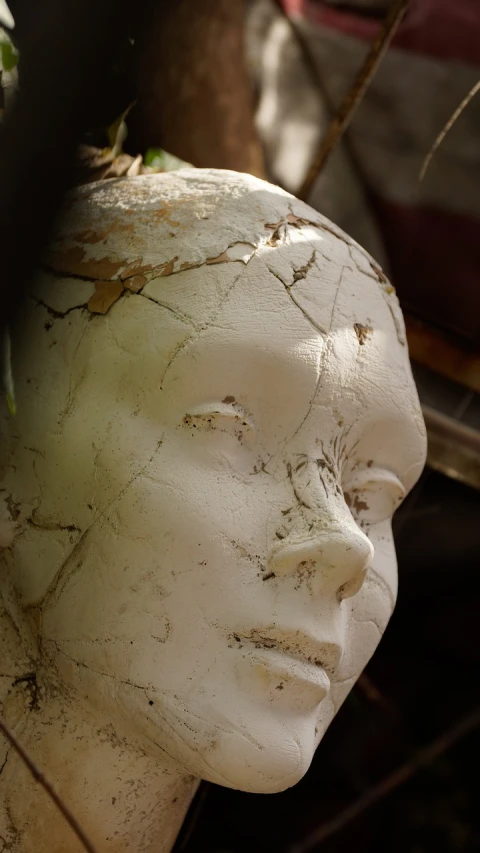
(195, 96)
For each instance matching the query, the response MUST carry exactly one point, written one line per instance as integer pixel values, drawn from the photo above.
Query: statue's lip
(296, 644)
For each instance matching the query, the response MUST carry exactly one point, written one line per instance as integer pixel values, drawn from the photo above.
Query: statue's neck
(124, 799)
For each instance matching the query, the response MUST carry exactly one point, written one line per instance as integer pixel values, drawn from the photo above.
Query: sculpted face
(211, 470)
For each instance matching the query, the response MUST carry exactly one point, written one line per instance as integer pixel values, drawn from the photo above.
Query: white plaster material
(216, 421)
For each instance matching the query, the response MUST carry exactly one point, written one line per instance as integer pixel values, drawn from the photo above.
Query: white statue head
(202, 477)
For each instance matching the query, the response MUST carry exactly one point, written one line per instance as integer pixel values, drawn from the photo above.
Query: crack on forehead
(324, 359)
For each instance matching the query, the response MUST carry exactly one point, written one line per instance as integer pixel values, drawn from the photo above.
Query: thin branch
(394, 780)
(304, 48)
(316, 78)
(451, 121)
(355, 94)
(47, 786)
(376, 697)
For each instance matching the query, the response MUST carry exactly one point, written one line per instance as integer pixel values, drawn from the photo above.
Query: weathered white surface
(198, 497)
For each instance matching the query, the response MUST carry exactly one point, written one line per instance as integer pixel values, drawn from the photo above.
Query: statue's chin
(246, 767)
(256, 752)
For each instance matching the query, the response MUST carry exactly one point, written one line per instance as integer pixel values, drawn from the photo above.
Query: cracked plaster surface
(208, 400)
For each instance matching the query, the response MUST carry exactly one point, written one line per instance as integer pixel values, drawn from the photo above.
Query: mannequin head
(201, 479)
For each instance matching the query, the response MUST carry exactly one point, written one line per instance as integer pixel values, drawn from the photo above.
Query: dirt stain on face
(362, 332)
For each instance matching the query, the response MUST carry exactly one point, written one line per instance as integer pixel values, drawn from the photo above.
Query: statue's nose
(336, 559)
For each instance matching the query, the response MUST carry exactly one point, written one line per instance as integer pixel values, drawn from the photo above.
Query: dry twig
(376, 697)
(394, 780)
(451, 121)
(355, 94)
(47, 786)
(303, 46)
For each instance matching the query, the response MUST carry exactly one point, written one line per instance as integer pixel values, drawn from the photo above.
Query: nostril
(352, 586)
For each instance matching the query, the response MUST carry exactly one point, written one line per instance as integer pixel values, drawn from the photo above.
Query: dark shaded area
(82, 64)
(68, 55)
(432, 282)
(426, 670)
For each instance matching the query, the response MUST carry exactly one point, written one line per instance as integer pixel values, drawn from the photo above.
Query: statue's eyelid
(210, 412)
(375, 477)
(373, 482)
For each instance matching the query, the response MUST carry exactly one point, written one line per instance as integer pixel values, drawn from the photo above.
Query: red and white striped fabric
(430, 231)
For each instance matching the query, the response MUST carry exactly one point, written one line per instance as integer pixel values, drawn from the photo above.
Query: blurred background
(294, 91)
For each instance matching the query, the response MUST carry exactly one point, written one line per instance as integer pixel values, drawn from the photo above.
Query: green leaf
(8, 55)
(118, 132)
(161, 161)
(12, 406)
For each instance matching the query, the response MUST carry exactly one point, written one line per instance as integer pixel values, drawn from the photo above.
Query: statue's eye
(373, 495)
(221, 418)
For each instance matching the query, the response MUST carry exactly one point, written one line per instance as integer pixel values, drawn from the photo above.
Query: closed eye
(221, 417)
(373, 495)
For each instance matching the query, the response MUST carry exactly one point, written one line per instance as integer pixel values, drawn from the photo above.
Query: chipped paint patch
(73, 261)
(106, 294)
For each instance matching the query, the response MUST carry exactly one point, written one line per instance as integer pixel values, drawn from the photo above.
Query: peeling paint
(107, 293)
(73, 261)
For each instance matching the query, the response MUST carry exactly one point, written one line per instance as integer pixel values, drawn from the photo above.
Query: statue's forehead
(263, 346)
(249, 275)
